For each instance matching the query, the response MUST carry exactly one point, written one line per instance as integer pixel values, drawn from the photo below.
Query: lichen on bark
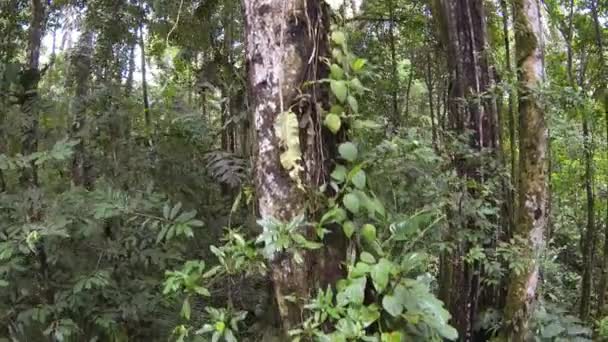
(286, 40)
(532, 218)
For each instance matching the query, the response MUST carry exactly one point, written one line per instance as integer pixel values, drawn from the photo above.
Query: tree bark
(464, 36)
(510, 111)
(29, 100)
(395, 77)
(285, 41)
(531, 216)
(144, 82)
(81, 69)
(589, 241)
(604, 93)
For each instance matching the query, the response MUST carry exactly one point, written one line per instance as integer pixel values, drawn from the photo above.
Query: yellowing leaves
(286, 129)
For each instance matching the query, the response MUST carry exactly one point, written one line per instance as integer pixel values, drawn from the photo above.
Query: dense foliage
(136, 191)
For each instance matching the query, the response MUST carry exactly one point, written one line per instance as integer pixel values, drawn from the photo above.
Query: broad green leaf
(392, 305)
(336, 72)
(338, 37)
(333, 122)
(348, 151)
(351, 202)
(349, 228)
(368, 232)
(339, 173)
(380, 274)
(358, 64)
(359, 179)
(336, 109)
(338, 88)
(367, 258)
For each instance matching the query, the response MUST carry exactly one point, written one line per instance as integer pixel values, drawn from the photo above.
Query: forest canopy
(303, 170)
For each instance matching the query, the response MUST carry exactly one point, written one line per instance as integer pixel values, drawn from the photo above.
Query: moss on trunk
(532, 216)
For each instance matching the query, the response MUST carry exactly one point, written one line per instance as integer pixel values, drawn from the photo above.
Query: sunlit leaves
(333, 122)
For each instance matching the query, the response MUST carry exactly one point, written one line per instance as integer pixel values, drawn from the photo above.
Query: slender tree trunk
(588, 244)
(144, 82)
(395, 77)
(429, 86)
(81, 69)
(531, 216)
(130, 71)
(510, 110)
(604, 91)
(29, 100)
(280, 43)
(408, 89)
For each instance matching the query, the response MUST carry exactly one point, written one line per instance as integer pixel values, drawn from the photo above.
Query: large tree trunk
(531, 216)
(81, 69)
(464, 35)
(285, 41)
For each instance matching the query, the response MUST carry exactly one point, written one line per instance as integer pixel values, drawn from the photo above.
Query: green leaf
(394, 336)
(186, 309)
(336, 72)
(392, 305)
(358, 64)
(353, 104)
(336, 109)
(351, 202)
(348, 151)
(349, 229)
(339, 173)
(3, 283)
(368, 232)
(367, 258)
(338, 37)
(354, 293)
(380, 274)
(359, 179)
(333, 122)
(338, 88)
(448, 332)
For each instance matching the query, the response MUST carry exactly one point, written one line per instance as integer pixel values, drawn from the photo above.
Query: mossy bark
(532, 187)
(81, 69)
(286, 40)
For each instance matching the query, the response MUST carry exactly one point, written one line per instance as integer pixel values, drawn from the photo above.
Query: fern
(226, 168)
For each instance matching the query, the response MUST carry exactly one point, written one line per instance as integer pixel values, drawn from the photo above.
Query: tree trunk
(81, 69)
(464, 35)
(510, 111)
(588, 244)
(604, 93)
(396, 117)
(280, 42)
(29, 100)
(430, 88)
(144, 83)
(131, 70)
(531, 216)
